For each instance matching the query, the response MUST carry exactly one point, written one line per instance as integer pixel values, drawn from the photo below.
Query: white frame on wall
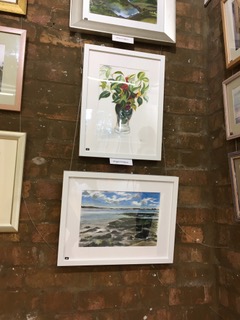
(12, 149)
(98, 118)
(115, 190)
(164, 30)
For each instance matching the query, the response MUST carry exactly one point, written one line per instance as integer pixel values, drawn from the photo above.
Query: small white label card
(119, 38)
(125, 162)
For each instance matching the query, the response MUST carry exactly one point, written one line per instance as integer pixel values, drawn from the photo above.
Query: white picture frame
(102, 91)
(12, 150)
(112, 22)
(116, 219)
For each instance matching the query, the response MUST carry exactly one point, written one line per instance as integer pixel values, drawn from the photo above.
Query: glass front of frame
(231, 31)
(12, 149)
(231, 94)
(12, 50)
(234, 164)
(117, 219)
(144, 20)
(122, 104)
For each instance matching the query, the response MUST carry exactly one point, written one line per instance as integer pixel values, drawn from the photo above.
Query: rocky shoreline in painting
(132, 230)
(145, 10)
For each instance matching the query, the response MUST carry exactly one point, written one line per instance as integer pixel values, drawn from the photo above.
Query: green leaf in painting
(104, 94)
(140, 101)
(141, 75)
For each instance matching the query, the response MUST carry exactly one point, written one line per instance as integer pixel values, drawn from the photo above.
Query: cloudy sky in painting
(121, 199)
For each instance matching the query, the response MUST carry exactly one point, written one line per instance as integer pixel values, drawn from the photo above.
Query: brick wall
(31, 286)
(227, 252)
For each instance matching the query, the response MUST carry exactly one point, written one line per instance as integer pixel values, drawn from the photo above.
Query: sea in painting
(143, 11)
(119, 219)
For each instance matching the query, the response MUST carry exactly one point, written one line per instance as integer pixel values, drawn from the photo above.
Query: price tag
(124, 162)
(122, 39)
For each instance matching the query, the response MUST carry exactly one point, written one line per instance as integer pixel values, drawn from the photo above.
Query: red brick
(191, 234)
(191, 254)
(48, 190)
(189, 296)
(46, 233)
(61, 301)
(11, 278)
(190, 196)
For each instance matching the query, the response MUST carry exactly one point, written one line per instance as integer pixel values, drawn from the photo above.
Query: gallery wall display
(142, 20)
(231, 30)
(231, 98)
(115, 219)
(234, 164)
(122, 104)
(12, 149)
(14, 6)
(12, 54)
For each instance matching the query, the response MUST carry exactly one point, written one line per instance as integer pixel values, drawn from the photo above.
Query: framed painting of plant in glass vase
(122, 104)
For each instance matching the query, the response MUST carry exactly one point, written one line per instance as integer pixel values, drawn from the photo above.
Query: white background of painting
(12, 149)
(230, 87)
(233, 53)
(125, 22)
(2, 53)
(12, 1)
(8, 155)
(76, 182)
(10, 69)
(99, 117)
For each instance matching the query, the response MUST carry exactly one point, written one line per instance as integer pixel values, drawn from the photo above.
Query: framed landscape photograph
(231, 31)
(122, 104)
(12, 150)
(14, 6)
(12, 54)
(234, 164)
(145, 20)
(114, 219)
(231, 99)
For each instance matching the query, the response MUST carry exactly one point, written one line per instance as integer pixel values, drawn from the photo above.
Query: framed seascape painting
(231, 96)
(12, 150)
(12, 54)
(146, 20)
(234, 165)
(231, 31)
(14, 6)
(122, 104)
(113, 219)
